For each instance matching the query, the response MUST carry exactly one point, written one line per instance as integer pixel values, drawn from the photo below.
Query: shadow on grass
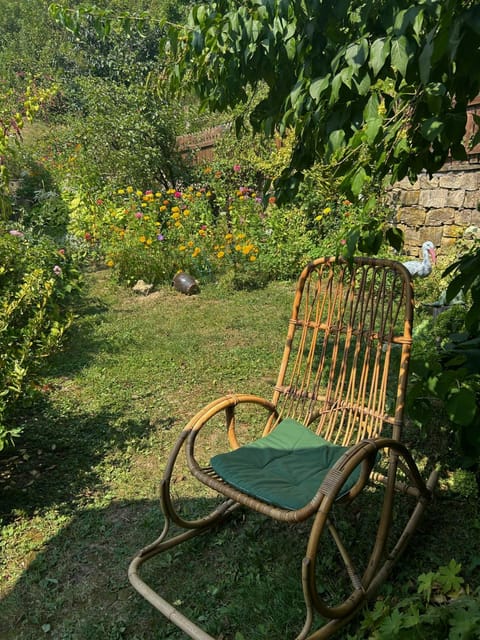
(58, 461)
(80, 343)
(244, 579)
(77, 585)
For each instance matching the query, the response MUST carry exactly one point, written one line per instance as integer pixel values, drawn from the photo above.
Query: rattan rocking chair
(331, 434)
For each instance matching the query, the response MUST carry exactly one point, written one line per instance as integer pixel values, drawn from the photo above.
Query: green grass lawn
(79, 493)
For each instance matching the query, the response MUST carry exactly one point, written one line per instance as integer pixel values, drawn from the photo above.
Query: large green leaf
(378, 54)
(399, 55)
(462, 406)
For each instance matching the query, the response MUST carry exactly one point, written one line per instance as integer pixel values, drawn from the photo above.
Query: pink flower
(138, 214)
(178, 194)
(160, 237)
(16, 233)
(237, 168)
(57, 270)
(343, 241)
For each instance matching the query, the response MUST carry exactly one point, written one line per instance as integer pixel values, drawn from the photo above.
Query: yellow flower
(158, 194)
(319, 217)
(182, 247)
(175, 215)
(144, 204)
(220, 254)
(163, 207)
(240, 236)
(146, 217)
(191, 243)
(149, 241)
(326, 210)
(110, 263)
(186, 212)
(208, 194)
(129, 189)
(202, 233)
(178, 224)
(121, 192)
(170, 191)
(228, 237)
(195, 253)
(252, 258)
(138, 193)
(142, 238)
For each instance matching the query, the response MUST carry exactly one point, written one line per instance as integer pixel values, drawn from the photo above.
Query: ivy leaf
(461, 406)
(372, 127)
(336, 140)
(394, 237)
(432, 128)
(318, 86)
(378, 54)
(399, 55)
(358, 180)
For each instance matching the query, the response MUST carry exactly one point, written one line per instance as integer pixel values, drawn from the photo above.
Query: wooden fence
(199, 148)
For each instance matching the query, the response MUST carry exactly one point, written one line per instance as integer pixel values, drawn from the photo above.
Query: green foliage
(380, 88)
(15, 110)
(37, 281)
(441, 608)
(445, 380)
(124, 136)
(152, 235)
(445, 373)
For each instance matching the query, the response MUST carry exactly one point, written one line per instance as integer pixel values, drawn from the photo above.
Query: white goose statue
(422, 269)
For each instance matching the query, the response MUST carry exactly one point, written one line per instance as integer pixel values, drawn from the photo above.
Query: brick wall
(442, 207)
(439, 208)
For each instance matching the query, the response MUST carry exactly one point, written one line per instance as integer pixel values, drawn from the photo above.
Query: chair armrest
(226, 403)
(365, 452)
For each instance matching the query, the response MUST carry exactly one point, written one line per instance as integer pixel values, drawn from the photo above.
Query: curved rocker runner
(332, 437)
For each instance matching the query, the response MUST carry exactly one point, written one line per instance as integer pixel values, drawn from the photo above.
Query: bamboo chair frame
(344, 375)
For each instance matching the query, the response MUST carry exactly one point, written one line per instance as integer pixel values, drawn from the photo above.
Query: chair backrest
(345, 364)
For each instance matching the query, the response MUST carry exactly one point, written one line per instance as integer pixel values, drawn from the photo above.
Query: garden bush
(442, 607)
(38, 282)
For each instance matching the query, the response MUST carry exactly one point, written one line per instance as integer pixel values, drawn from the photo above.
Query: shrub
(37, 283)
(152, 235)
(442, 607)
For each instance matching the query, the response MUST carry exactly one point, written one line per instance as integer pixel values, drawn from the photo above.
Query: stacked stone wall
(438, 208)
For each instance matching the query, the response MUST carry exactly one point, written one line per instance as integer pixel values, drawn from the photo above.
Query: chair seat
(285, 468)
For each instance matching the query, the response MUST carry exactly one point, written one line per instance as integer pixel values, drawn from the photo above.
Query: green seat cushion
(285, 468)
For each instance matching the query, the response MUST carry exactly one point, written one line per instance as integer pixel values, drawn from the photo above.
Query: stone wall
(439, 208)
(443, 207)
